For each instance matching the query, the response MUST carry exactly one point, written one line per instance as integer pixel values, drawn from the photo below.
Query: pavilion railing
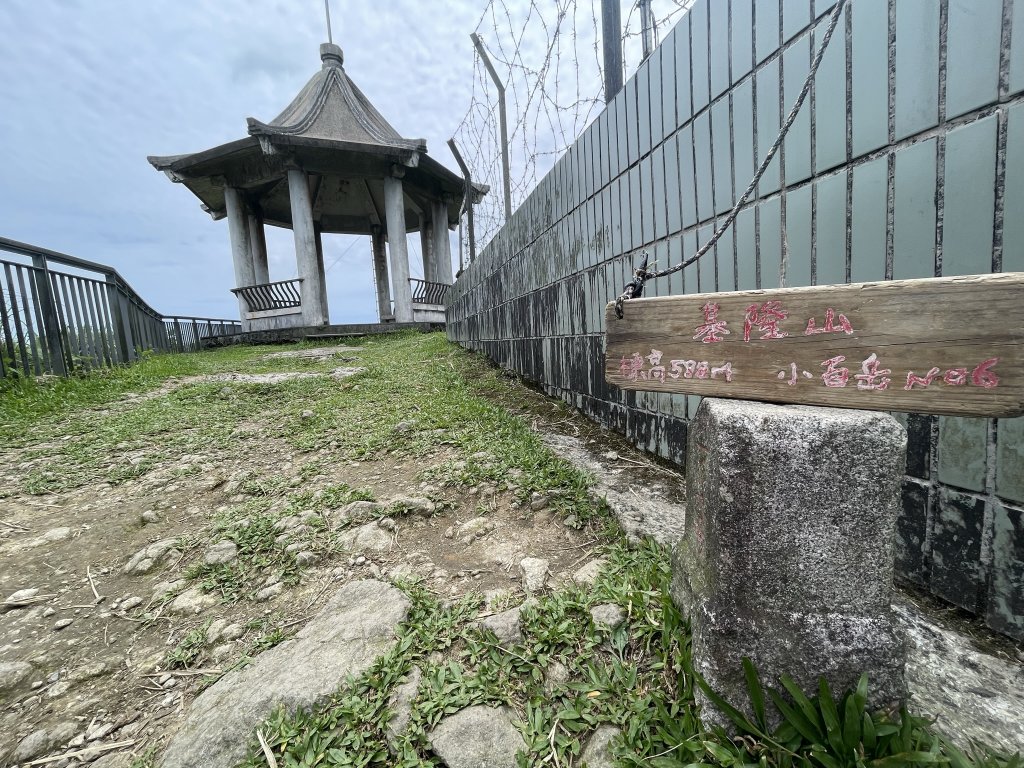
(57, 322)
(284, 294)
(424, 292)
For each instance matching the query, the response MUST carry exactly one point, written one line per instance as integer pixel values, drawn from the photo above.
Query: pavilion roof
(330, 129)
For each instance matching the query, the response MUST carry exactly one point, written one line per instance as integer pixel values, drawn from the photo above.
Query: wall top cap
(331, 55)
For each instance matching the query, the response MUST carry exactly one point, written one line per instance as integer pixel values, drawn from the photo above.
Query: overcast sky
(89, 88)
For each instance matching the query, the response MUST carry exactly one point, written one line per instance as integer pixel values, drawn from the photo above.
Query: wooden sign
(943, 345)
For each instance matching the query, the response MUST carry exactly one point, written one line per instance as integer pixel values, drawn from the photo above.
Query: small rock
(572, 522)
(192, 601)
(57, 690)
(62, 623)
(147, 558)
(306, 415)
(305, 559)
(588, 574)
(221, 553)
(214, 631)
(55, 534)
(387, 523)
(149, 517)
(539, 501)
(41, 741)
(232, 632)
(555, 676)
(477, 736)
(268, 593)
(20, 598)
(13, 674)
(99, 731)
(48, 612)
(598, 752)
(505, 626)
(356, 512)
(535, 573)
(607, 615)
(474, 529)
(88, 671)
(404, 426)
(130, 602)
(368, 537)
(360, 560)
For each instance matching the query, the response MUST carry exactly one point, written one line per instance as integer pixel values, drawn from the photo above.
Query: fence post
(122, 323)
(51, 324)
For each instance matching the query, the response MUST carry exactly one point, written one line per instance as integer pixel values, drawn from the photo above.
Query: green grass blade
(795, 718)
(830, 716)
(756, 691)
(806, 706)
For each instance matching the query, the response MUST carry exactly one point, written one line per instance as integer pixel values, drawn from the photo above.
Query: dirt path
(131, 606)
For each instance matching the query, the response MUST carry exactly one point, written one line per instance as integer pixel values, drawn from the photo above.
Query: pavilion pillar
(241, 252)
(426, 248)
(380, 275)
(442, 250)
(314, 308)
(394, 212)
(318, 232)
(258, 245)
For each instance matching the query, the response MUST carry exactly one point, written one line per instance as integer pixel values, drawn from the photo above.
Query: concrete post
(380, 276)
(241, 252)
(314, 308)
(427, 249)
(394, 212)
(442, 251)
(787, 555)
(258, 243)
(318, 232)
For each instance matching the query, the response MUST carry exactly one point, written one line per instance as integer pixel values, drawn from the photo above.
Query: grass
(419, 395)
(638, 677)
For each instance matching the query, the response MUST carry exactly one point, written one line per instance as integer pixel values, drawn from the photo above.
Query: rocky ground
(190, 543)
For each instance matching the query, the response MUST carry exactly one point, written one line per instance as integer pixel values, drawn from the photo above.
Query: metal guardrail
(56, 322)
(427, 293)
(284, 294)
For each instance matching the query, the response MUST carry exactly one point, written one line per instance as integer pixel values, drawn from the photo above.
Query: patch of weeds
(331, 497)
(261, 486)
(187, 652)
(147, 759)
(253, 528)
(269, 633)
(311, 469)
(130, 470)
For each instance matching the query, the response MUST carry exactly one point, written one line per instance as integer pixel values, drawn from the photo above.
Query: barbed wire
(550, 59)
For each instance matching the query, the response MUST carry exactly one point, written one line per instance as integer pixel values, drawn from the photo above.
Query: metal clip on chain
(634, 289)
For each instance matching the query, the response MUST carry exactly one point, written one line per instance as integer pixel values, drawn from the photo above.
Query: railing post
(195, 334)
(122, 322)
(177, 335)
(51, 324)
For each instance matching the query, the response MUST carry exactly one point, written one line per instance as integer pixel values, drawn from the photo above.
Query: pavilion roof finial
(327, 9)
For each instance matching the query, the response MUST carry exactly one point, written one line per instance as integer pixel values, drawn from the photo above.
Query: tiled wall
(906, 161)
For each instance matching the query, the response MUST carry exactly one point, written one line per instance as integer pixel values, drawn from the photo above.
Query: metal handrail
(283, 294)
(56, 322)
(424, 292)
